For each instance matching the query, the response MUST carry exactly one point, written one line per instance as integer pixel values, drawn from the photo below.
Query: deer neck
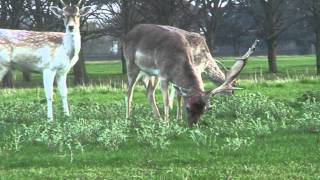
(214, 72)
(189, 82)
(195, 87)
(72, 43)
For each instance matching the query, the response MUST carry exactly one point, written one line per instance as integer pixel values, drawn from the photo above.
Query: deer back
(21, 38)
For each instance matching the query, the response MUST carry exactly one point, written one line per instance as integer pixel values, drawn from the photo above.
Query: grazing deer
(158, 51)
(51, 53)
(202, 61)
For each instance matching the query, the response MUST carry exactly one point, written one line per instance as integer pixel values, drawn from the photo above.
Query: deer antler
(234, 72)
(61, 1)
(79, 2)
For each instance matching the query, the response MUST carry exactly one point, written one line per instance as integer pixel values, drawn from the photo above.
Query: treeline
(230, 21)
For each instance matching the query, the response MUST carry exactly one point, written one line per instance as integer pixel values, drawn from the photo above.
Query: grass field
(102, 72)
(269, 130)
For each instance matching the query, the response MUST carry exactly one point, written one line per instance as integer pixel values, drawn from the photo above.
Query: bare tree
(176, 13)
(272, 18)
(211, 14)
(235, 28)
(117, 17)
(311, 10)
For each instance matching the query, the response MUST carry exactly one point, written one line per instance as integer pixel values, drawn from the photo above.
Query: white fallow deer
(51, 53)
(203, 63)
(158, 51)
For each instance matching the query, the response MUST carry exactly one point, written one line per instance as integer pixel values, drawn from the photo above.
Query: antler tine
(235, 71)
(79, 2)
(250, 51)
(61, 1)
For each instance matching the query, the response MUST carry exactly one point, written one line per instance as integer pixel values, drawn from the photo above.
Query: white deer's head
(71, 15)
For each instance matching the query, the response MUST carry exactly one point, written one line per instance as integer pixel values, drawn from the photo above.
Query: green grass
(109, 72)
(280, 156)
(287, 66)
(269, 130)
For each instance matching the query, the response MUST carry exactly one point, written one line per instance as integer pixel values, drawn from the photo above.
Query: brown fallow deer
(158, 51)
(51, 53)
(203, 62)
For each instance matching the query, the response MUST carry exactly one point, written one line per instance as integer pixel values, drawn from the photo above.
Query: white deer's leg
(63, 90)
(165, 96)
(48, 78)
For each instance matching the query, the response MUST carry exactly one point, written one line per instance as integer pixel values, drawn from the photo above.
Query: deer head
(197, 103)
(71, 15)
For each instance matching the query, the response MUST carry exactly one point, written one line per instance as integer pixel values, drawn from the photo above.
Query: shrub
(314, 95)
(115, 134)
(310, 119)
(21, 112)
(236, 143)
(156, 132)
(199, 136)
(251, 112)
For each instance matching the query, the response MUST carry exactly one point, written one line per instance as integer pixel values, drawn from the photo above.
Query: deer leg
(48, 78)
(63, 90)
(133, 77)
(172, 94)
(165, 96)
(151, 95)
(179, 108)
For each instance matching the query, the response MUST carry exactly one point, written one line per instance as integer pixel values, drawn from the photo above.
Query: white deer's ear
(56, 11)
(85, 10)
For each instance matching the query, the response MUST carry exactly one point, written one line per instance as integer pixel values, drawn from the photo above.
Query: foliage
(154, 132)
(309, 95)
(251, 114)
(236, 143)
(243, 136)
(237, 120)
(310, 119)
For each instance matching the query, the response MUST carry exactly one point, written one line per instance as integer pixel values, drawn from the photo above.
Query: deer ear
(85, 10)
(56, 11)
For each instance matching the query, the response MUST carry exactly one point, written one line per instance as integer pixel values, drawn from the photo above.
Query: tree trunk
(236, 47)
(123, 63)
(272, 55)
(8, 80)
(26, 76)
(210, 41)
(125, 12)
(212, 44)
(79, 69)
(318, 51)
